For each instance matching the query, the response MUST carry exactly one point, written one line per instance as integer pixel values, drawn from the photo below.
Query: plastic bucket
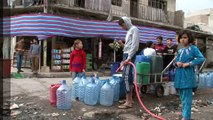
(166, 87)
(6, 69)
(172, 88)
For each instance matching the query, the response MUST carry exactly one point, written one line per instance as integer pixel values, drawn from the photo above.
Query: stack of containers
(90, 91)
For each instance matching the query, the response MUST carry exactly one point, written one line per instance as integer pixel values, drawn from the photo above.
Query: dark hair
(191, 39)
(169, 39)
(36, 38)
(120, 22)
(149, 44)
(160, 37)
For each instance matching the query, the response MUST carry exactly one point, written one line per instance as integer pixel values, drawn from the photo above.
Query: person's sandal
(122, 101)
(124, 107)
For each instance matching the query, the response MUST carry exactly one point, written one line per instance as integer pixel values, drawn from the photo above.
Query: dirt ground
(35, 108)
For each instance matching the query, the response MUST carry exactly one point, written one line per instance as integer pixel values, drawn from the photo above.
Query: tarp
(47, 25)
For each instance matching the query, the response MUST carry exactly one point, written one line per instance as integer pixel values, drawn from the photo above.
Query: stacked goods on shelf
(56, 60)
(89, 62)
(65, 59)
(60, 59)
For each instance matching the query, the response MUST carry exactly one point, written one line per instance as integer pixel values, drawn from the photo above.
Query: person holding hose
(129, 51)
(187, 58)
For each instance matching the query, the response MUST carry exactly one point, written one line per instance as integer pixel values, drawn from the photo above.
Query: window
(79, 3)
(117, 2)
(161, 4)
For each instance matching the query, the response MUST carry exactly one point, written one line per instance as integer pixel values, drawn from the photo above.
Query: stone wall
(171, 5)
(198, 19)
(179, 18)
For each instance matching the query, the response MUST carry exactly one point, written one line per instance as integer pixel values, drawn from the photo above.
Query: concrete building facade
(155, 13)
(204, 20)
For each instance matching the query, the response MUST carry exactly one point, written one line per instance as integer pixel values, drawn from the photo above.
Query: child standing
(185, 79)
(77, 59)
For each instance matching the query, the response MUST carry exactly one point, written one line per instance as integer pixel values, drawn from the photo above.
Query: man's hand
(121, 63)
(125, 62)
(18, 49)
(121, 42)
(179, 64)
(83, 71)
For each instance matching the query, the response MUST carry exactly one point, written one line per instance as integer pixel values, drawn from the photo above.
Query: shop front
(97, 55)
(59, 33)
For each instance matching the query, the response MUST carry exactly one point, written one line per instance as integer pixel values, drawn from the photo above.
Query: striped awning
(48, 25)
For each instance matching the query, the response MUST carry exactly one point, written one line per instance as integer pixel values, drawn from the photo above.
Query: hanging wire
(38, 9)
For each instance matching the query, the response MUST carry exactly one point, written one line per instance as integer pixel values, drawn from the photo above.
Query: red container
(6, 69)
(53, 89)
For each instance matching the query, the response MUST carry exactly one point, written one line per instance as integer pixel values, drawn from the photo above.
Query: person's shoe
(122, 101)
(193, 93)
(21, 70)
(124, 106)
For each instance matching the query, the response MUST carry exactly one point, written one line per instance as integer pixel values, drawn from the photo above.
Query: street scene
(107, 60)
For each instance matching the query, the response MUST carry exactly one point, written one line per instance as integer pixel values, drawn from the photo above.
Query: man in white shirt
(149, 51)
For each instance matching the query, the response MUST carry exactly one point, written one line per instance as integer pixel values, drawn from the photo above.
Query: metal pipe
(39, 66)
(168, 65)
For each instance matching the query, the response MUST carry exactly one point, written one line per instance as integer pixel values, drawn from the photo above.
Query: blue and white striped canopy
(48, 25)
